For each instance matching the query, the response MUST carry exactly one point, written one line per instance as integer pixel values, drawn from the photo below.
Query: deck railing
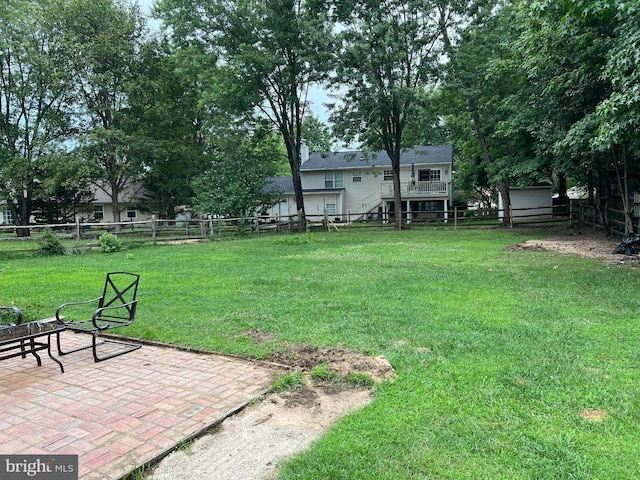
(416, 189)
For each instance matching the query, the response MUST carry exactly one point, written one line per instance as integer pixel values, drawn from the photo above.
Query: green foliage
(110, 243)
(272, 52)
(287, 382)
(236, 181)
(317, 135)
(36, 102)
(103, 39)
(50, 244)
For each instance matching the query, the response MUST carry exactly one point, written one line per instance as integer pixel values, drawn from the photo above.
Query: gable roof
(437, 154)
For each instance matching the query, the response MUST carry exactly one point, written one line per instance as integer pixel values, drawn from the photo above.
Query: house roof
(437, 154)
(279, 184)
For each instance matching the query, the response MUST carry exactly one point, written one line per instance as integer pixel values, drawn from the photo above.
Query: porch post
(446, 210)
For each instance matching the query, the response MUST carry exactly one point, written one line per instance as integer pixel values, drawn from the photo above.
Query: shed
(528, 202)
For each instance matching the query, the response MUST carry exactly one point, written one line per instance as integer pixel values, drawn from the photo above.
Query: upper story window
(387, 175)
(429, 175)
(357, 176)
(333, 180)
(98, 212)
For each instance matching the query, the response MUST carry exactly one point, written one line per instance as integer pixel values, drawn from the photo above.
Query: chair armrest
(130, 307)
(60, 318)
(17, 311)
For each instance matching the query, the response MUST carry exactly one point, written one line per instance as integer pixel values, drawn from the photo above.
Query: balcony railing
(416, 189)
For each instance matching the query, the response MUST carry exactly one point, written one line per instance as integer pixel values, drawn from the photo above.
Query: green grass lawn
(502, 356)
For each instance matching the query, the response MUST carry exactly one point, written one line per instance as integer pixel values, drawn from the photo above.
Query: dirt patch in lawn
(583, 242)
(252, 443)
(594, 415)
(338, 359)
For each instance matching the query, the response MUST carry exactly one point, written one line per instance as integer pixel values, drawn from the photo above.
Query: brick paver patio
(121, 413)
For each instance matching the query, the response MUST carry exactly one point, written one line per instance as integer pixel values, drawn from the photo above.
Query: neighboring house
(100, 208)
(103, 210)
(533, 201)
(361, 184)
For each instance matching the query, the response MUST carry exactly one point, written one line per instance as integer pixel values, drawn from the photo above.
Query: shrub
(110, 243)
(50, 244)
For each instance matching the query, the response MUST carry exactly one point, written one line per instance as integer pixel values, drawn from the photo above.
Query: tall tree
(387, 52)
(585, 58)
(272, 51)
(224, 189)
(479, 78)
(169, 117)
(34, 102)
(105, 38)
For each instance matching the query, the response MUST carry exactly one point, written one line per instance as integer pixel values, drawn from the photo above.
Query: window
(387, 175)
(331, 208)
(357, 177)
(132, 213)
(428, 175)
(333, 180)
(7, 217)
(98, 212)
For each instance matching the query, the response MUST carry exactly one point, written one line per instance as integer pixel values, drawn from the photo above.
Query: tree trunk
(22, 214)
(503, 188)
(486, 156)
(397, 194)
(621, 175)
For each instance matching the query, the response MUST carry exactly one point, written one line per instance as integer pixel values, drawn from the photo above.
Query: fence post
(210, 225)
(349, 219)
(455, 218)
(153, 229)
(257, 220)
(570, 213)
(78, 231)
(510, 216)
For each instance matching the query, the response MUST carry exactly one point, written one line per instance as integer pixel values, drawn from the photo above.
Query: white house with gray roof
(361, 184)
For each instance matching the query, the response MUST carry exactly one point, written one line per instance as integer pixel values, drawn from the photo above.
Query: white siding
(536, 200)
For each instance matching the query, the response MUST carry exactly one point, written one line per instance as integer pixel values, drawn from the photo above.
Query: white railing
(416, 189)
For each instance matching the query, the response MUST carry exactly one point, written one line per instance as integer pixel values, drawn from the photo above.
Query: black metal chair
(115, 308)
